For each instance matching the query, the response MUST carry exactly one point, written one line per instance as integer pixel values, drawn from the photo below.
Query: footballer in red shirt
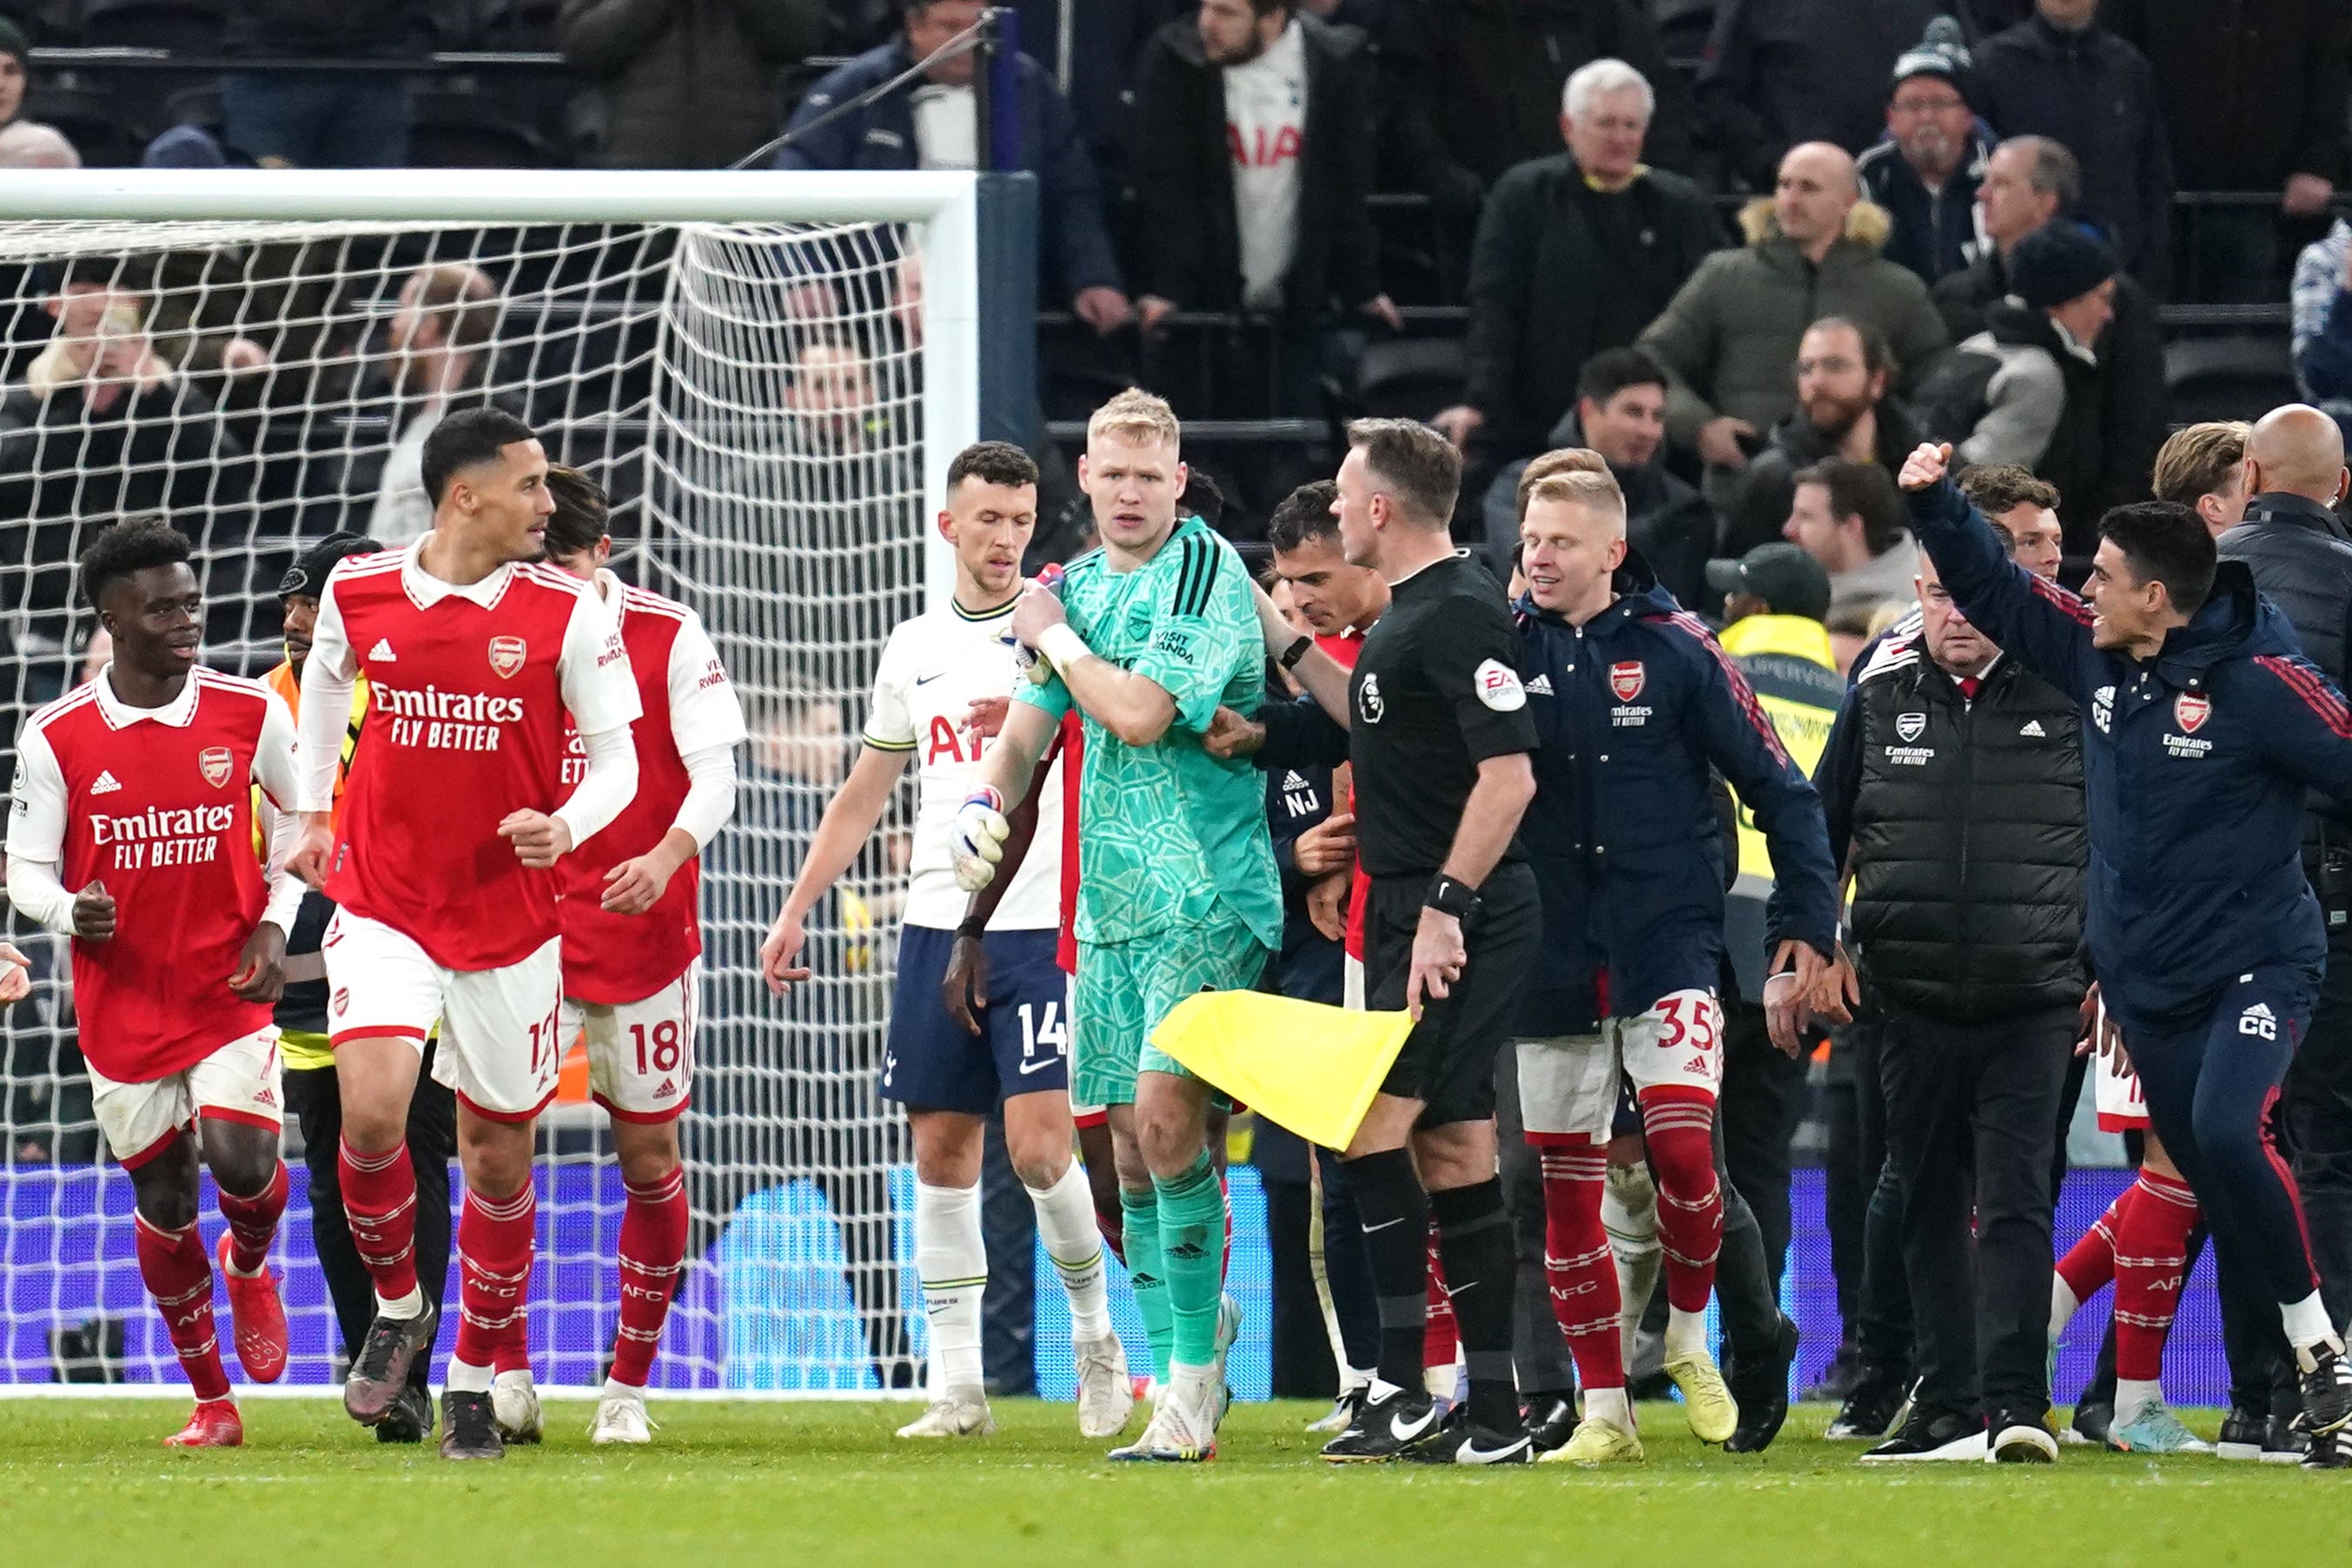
(444, 872)
(133, 832)
(632, 931)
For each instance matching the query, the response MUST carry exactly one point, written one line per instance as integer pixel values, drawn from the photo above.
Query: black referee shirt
(1435, 692)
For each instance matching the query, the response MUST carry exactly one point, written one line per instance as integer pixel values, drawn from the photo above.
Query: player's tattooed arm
(965, 985)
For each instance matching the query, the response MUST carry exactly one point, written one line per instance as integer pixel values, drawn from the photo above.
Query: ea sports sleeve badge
(1302, 1065)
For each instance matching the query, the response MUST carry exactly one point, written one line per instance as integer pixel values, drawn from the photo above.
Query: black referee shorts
(1448, 1060)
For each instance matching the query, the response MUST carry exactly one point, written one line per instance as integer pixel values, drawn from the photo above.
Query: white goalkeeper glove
(976, 839)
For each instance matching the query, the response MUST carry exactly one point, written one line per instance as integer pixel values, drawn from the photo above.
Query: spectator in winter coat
(2321, 311)
(1925, 172)
(1843, 410)
(1847, 517)
(686, 84)
(2031, 181)
(2030, 389)
(933, 124)
(322, 119)
(1253, 136)
(1781, 72)
(1621, 414)
(2064, 76)
(1730, 335)
(1576, 252)
(2254, 99)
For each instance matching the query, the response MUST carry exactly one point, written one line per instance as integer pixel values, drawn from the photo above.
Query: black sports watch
(1448, 896)
(1295, 652)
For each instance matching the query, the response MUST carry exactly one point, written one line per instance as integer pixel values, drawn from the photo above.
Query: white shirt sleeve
(36, 835)
(704, 710)
(607, 787)
(329, 676)
(275, 771)
(710, 793)
(889, 720)
(599, 692)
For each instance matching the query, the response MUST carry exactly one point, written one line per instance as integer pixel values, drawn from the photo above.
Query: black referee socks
(1395, 1215)
(1474, 1240)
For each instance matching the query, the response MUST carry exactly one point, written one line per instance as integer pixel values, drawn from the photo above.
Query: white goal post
(771, 373)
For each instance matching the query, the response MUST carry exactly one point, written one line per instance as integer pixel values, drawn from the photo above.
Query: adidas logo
(264, 1097)
(667, 1088)
(1291, 781)
(1540, 686)
(2033, 727)
(2261, 1011)
(381, 652)
(104, 784)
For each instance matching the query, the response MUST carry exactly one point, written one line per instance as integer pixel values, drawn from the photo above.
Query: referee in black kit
(1438, 734)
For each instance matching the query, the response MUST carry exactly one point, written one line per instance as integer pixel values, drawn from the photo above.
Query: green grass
(83, 1485)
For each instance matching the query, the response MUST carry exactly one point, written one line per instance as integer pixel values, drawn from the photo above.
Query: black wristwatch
(1295, 652)
(1448, 896)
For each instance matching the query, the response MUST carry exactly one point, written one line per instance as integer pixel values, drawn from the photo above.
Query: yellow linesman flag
(1310, 1068)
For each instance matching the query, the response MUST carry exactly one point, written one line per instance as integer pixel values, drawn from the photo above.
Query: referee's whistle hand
(1229, 735)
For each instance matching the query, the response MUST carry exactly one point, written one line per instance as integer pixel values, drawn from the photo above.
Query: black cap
(1782, 575)
(2058, 262)
(308, 573)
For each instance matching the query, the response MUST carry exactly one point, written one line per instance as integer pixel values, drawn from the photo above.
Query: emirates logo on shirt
(506, 654)
(2191, 711)
(214, 762)
(1626, 679)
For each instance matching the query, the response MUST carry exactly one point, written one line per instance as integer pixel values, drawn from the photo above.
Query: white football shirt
(932, 669)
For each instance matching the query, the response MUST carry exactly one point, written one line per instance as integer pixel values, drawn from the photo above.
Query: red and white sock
(1582, 1274)
(2151, 1260)
(495, 1241)
(1441, 1338)
(173, 1265)
(380, 1206)
(253, 1222)
(2089, 1265)
(1678, 1125)
(653, 1255)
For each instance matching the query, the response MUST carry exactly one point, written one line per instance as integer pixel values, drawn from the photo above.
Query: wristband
(1061, 644)
(986, 796)
(1447, 896)
(1295, 652)
(972, 925)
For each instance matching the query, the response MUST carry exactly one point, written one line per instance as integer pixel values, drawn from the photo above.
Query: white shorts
(2117, 1096)
(502, 1043)
(241, 1081)
(1568, 1087)
(640, 1053)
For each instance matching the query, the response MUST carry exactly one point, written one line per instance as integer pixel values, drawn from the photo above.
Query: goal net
(768, 374)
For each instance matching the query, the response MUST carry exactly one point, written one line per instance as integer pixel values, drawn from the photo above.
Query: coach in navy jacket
(1624, 835)
(2207, 725)
(1072, 234)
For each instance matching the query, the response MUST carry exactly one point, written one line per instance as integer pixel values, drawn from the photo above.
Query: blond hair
(2197, 460)
(1135, 415)
(1578, 488)
(1562, 460)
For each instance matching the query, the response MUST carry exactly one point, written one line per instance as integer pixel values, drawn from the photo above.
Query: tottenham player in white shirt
(934, 671)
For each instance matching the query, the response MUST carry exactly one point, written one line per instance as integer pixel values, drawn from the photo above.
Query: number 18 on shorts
(1568, 1086)
(640, 1053)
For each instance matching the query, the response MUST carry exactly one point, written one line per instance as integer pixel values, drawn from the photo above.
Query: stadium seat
(101, 124)
(183, 26)
(2240, 376)
(1410, 378)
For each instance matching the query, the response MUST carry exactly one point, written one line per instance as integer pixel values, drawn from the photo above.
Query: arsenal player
(476, 658)
(632, 940)
(133, 832)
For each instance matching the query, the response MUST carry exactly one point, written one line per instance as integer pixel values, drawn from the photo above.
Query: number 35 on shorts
(1677, 1041)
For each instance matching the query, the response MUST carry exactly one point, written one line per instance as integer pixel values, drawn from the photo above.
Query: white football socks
(2062, 1306)
(951, 1260)
(2132, 1398)
(1685, 1333)
(2306, 1323)
(1066, 1224)
(1609, 1404)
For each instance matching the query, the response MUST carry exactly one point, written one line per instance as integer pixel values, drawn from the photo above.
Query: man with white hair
(1576, 252)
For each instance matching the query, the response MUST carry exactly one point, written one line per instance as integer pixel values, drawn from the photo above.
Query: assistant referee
(1438, 734)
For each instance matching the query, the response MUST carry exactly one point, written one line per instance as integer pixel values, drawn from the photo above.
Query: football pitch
(83, 1484)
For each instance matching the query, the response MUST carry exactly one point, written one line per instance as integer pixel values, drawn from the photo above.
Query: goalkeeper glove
(976, 839)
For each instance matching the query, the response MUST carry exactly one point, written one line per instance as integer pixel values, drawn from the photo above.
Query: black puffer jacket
(1967, 834)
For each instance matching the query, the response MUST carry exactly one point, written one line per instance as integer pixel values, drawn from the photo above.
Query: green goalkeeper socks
(1147, 1270)
(1192, 1248)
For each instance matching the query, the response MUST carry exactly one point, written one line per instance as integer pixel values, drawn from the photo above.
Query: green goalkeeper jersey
(1166, 831)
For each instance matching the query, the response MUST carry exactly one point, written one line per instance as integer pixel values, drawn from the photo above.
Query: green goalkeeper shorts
(1124, 989)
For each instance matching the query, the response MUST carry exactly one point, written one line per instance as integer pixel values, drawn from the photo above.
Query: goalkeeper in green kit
(1177, 891)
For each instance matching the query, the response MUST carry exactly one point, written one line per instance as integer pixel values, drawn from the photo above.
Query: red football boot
(214, 1425)
(259, 1318)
